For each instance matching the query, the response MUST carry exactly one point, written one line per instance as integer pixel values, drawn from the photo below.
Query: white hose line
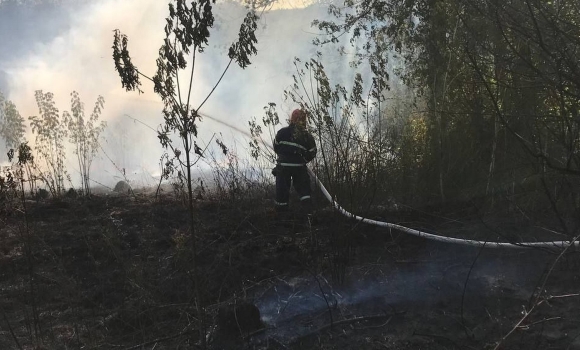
(430, 236)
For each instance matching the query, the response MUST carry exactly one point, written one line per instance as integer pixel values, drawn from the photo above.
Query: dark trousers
(288, 175)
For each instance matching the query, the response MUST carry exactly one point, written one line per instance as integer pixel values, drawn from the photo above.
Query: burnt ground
(116, 272)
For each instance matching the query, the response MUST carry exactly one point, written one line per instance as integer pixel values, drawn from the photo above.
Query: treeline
(468, 101)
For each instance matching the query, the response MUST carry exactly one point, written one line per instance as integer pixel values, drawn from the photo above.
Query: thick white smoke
(61, 46)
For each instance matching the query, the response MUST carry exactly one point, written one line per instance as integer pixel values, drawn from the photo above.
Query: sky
(61, 46)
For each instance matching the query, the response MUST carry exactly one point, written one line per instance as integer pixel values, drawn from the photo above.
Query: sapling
(12, 130)
(84, 135)
(187, 32)
(50, 131)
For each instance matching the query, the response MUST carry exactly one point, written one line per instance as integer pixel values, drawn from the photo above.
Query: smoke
(61, 46)
(3, 81)
(435, 276)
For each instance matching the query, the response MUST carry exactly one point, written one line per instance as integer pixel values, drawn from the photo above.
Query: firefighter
(295, 147)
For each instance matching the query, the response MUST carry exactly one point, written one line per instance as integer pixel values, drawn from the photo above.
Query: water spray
(219, 121)
(425, 235)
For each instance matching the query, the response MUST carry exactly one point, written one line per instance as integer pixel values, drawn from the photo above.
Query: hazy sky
(61, 46)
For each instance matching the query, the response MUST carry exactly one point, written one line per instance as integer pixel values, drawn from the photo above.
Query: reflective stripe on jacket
(294, 146)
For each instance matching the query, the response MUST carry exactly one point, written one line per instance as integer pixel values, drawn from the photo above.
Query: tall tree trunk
(435, 76)
(195, 277)
(492, 161)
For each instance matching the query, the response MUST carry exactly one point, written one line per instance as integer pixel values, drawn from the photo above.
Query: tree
(50, 131)
(500, 82)
(348, 126)
(12, 129)
(84, 134)
(12, 125)
(187, 33)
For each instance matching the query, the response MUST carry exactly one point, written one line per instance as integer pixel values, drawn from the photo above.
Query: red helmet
(298, 116)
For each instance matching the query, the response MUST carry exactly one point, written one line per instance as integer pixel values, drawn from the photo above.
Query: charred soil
(115, 272)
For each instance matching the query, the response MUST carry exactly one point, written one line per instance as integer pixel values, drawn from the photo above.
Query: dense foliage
(496, 87)
(11, 124)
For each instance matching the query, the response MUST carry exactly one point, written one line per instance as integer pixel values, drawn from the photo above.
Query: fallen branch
(563, 296)
(527, 326)
(353, 320)
(158, 340)
(526, 313)
(377, 326)
(437, 336)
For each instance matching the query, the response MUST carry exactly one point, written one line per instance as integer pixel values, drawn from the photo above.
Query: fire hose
(414, 232)
(433, 237)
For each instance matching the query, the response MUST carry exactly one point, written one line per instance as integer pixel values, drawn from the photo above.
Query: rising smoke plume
(61, 46)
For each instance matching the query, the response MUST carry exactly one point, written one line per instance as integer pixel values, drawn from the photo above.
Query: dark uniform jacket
(294, 146)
